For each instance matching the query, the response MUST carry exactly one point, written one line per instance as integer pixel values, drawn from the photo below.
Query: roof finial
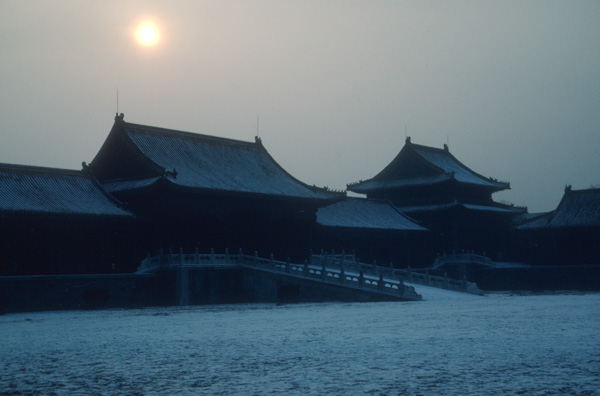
(408, 140)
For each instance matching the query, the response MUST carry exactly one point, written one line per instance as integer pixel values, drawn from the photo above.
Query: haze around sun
(147, 34)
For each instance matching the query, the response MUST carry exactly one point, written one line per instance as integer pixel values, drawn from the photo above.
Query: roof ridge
(194, 135)
(590, 190)
(40, 169)
(430, 148)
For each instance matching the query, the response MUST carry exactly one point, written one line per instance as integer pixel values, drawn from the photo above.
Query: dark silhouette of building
(568, 235)
(374, 230)
(56, 221)
(199, 191)
(432, 186)
(150, 188)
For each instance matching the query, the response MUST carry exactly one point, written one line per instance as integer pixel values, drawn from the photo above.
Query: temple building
(568, 235)
(56, 221)
(199, 191)
(432, 186)
(373, 230)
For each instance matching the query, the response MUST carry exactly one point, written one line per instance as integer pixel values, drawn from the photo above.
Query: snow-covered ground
(451, 344)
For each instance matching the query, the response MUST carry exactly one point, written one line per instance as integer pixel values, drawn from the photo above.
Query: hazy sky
(513, 86)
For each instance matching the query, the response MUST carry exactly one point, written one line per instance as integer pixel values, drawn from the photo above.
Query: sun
(147, 34)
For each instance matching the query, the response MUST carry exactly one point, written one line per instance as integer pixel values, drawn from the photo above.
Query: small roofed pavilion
(195, 190)
(431, 185)
(57, 221)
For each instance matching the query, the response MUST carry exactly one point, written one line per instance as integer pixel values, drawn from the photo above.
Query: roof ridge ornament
(173, 173)
(119, 117)
(408, 140)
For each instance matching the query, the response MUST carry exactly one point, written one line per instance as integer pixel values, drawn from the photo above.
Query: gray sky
(513, 86)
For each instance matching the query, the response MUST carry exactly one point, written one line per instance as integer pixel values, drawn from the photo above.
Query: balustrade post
(401, 287)
(445, 280)
(323, 271)
(361, 279)
(380, 283)
(342, 275)
(343, 257)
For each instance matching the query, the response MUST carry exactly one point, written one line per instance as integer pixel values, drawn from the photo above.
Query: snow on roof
(212, 163)
(366, 214)
(118, 186)
(417, 165)
(456, 204)
(28, 189)
(450, 165)
(488, 208)
(372, 184)
(579, 208)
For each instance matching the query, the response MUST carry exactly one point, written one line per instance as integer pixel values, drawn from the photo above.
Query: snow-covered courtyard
(451, 343)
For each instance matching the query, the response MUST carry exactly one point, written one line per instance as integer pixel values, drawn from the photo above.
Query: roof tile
(28, 189)
(364, 213)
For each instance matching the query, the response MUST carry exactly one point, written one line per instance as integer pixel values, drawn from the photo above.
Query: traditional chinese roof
(577, 209)
(365, 214)
(138, 156)
(497, 208)
(418, 165)
(36, 190)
